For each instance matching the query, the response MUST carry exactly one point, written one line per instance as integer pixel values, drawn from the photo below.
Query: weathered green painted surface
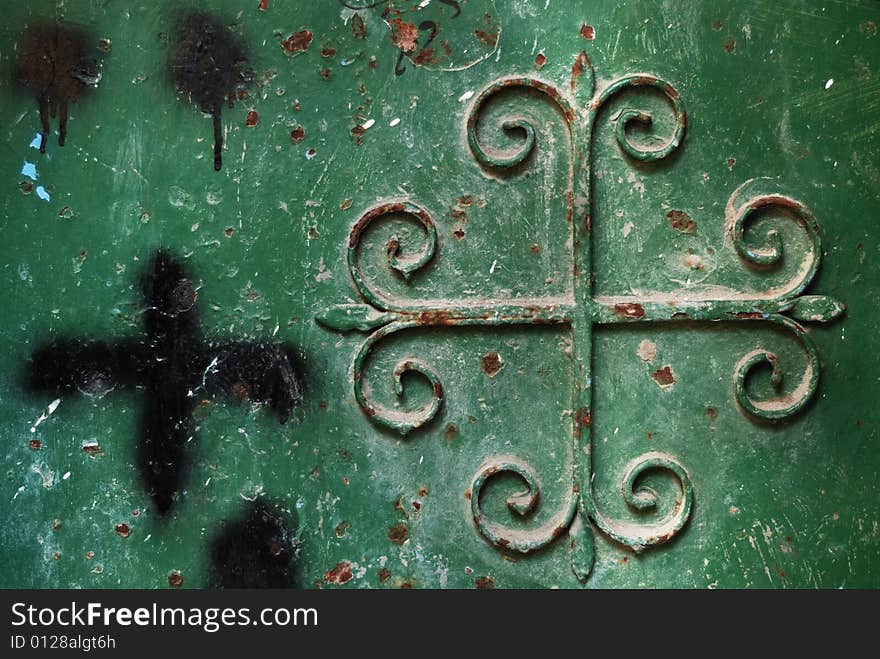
(568, 338)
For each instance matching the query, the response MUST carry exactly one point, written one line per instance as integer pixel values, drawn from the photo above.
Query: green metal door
(474, 293)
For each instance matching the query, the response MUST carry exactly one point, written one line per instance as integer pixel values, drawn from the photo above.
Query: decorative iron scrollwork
(784, 307)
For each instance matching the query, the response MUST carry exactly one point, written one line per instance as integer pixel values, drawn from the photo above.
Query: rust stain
(577, 70)
(252, 119)
(467, 495)
(175, 579)
(582, 419)
(358, 27)
(664, 377)
(434, 318)
(404, 35)
(712, 413)
(297, 42)
(345, 205)
(340, 574)
(123, 530)
(540, 61)
(485, 583)
(588, 32)
(681, 221)
(750, 315)
(399, 533)
(451, 431)
(730, 45)
(629, 310)
(36, 444)
(458, 233)
(384, 575)
(488, 38)
(328, 51)
(491, 364)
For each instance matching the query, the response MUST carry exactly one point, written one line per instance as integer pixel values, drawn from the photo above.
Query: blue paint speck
(41, 193)
(30, 170)
(35, 143)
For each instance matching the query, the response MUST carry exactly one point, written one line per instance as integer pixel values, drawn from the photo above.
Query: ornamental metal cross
(783, 306)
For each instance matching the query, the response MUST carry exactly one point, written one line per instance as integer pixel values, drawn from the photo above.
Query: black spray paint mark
(209, 66)
(259, 550)
(55, 67)
(172, 367)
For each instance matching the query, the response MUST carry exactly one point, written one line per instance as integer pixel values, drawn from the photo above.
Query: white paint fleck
(492, 267)
(647, 351)
(65, 476)
(829, 83)
(465, 96)
(394, 122)
(369, 123)
(627, 229)
(46, 414)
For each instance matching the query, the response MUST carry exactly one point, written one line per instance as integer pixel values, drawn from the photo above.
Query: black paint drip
(54, 65)
(173, 367)
(256, 551)
(209, 66)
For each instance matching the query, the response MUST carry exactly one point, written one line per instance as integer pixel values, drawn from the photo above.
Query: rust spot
(588, 32)
(750, 315)
(466, 200)
(175, 579)
(438, 390)
(297, 135)
(416, 506)
(451, 431)
(264, 5)
(458, 233)
(340, 574)
(252, 119)
(384, 574)
(327, 51)
(491, 364)
(398, 506)
(540, 61)
(717, 25)
(425, 56)
(681, 221)
(582, 419)
(358, 27)
(358, 134)
(458, 215)
(712, 413)
(92, 448)
(345, 205)
(405, 585)
(624, 560)
(342, 527)
(325, 73)
(399, 533)
(681, 315)
(434, 318)
(423, 491)
(649, 436)
(36, 444)
(664, 376)
(485, 583)
(731, 162)
(123, 530)
(467, 495)
(240, 391)
(488, 38)
(228, 231)
(135, 513)
(577, 69)
(730, 45)
(868, 28)
(534, 248)
(90, 555)
(297, 42)
(629, 310)
(404, 35)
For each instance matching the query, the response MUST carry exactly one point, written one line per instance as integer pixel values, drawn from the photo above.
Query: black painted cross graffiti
(169, 365)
